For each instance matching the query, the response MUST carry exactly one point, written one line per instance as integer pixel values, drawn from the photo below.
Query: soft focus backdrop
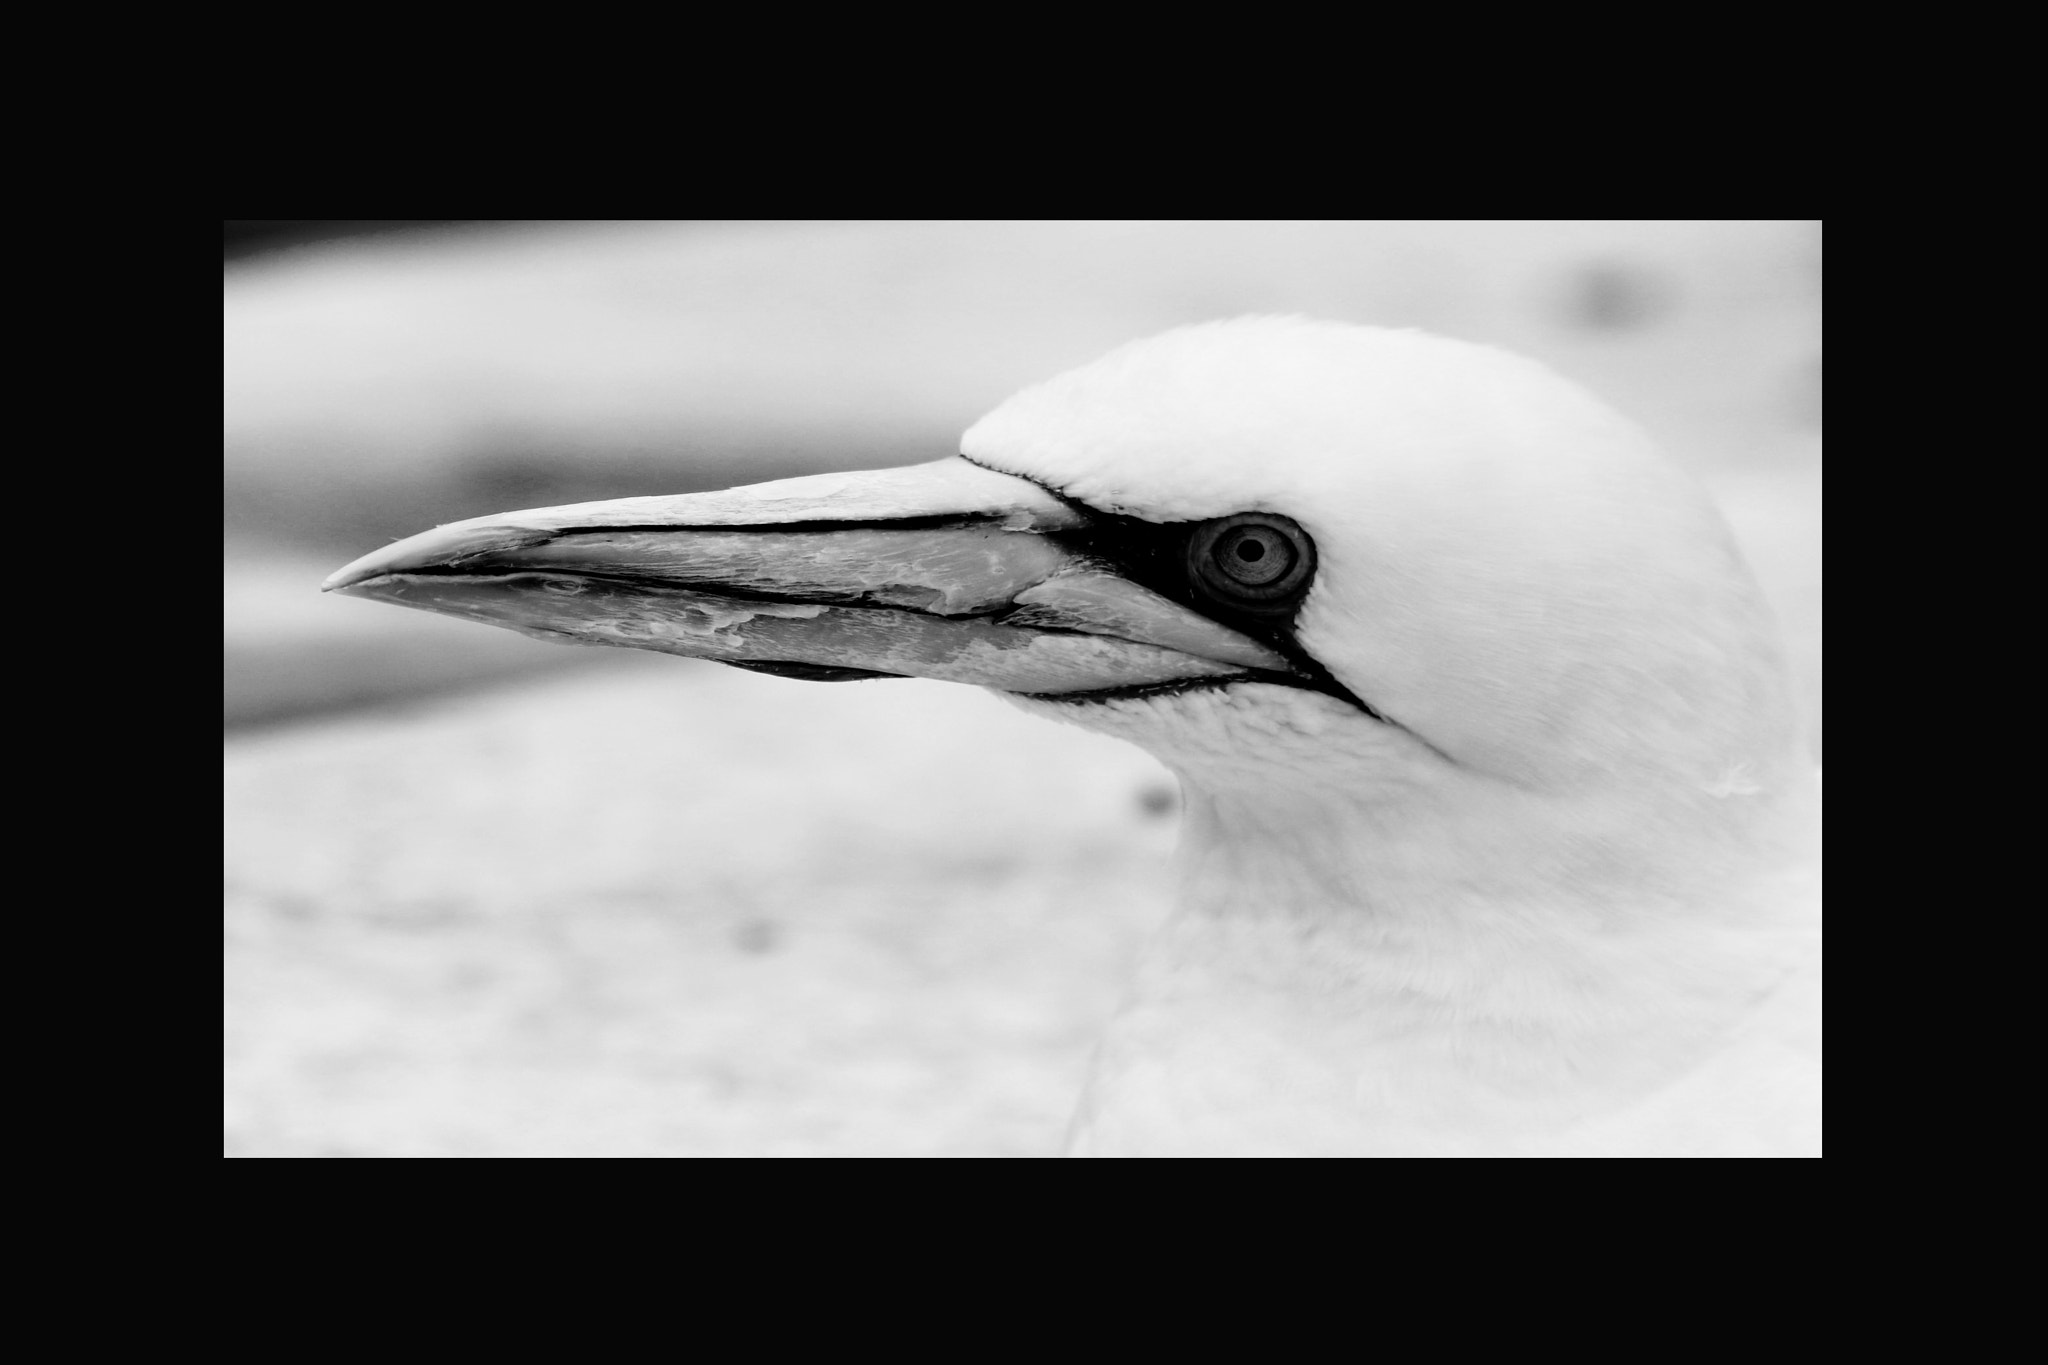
(492, 897)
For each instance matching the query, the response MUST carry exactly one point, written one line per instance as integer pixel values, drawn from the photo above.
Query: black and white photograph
(1022, 688)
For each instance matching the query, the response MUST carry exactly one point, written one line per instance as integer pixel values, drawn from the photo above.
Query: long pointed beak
(945, 570)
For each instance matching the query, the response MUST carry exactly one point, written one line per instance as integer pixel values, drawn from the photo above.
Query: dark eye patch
(1204, 565)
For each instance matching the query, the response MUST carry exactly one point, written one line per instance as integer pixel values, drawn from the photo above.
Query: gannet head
(1292, 558)
(1506, 569)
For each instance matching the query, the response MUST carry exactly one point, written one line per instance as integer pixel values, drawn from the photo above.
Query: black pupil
(1255, 557)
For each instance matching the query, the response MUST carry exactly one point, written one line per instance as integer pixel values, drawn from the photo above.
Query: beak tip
(362, 570)
(441, 547)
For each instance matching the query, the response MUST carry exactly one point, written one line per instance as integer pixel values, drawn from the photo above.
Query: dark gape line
(807, 672)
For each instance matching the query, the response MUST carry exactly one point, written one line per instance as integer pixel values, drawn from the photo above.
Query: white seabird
(1500, 839)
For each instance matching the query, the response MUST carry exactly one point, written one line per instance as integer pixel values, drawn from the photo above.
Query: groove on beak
(944, 570)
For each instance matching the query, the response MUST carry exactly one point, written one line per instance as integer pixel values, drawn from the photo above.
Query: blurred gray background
(489, 897)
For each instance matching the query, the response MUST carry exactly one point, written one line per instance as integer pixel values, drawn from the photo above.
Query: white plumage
(1556, 892)
(1570, 904)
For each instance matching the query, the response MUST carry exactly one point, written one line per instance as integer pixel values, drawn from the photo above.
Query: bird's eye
(1254, 561)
